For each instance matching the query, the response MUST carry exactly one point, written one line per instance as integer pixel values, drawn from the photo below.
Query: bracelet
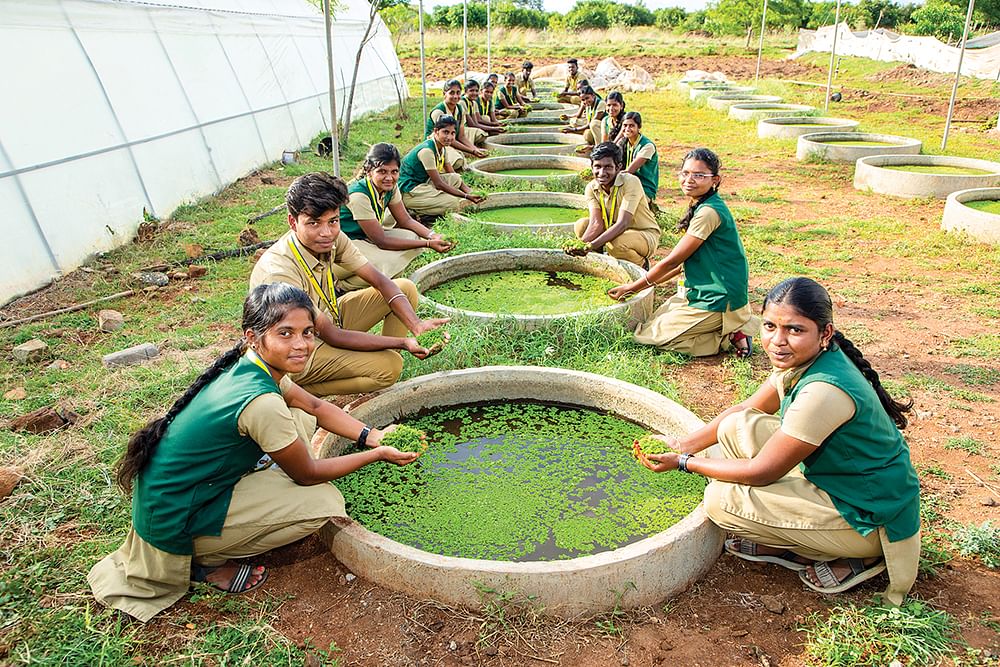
(682, 462)
(427, 243)
(393, 298)
(363, 438)
(646, 278)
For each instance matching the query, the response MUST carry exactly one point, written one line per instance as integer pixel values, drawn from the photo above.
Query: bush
(451, 16)
(588, 14)
(668, 18)
(512, 16)
(940, 19)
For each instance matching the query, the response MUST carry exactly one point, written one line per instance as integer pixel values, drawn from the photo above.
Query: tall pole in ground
(423, 69)
(489, 38)
(465, 40)
(833, 55)
(334, 130)
(958, 74)
(760, 44)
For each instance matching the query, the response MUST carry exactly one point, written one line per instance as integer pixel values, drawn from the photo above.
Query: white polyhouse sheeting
(925, 52)
(113, 107)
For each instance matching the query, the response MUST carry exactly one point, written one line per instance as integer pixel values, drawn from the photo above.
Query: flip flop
(748, 551)
(829, 583)
(236, 583)
(738, 352)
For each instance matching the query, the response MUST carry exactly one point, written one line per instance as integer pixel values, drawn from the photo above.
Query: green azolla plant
(434, 340)
(405, 439)
(520, 481)
(524, 292)
(652, 445)
(575, 246)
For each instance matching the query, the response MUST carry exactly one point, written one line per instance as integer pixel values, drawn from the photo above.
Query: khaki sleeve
(647, 151)
(396, 197)
(361, 206)
(704, 222)
(632, 195)
(426, 157)
(268, 421)
(818, 410)
(601, 108)
(436, 115)
(272, 269)
(346, 255)
(591, 193)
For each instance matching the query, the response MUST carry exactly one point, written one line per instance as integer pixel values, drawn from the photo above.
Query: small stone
(349, 577)
(152, 278)
(665, 645)
(30, 352)
(43, 420)
(178, 275)
(198, 299)
(110, 320)
(58, 365)
(740, 633)
(773, 604)
(196, 271)
(436, 626)
(193, 249)
(988, 501)
(452, 645)
(624, 661)
(248, 236)
(129, 356)
(9, 478)
(16, 394)
(895, 663)
(491, 650)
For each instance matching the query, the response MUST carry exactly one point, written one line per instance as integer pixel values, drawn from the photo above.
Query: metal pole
(958, 74)
(833, 54)
(423, 69)
(760, 44)
(489, 38)
(334, 130)
(465, 40)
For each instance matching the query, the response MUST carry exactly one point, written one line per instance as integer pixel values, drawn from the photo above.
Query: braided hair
(616, 123)
(811, 300)
(712, 160)
(264, 307)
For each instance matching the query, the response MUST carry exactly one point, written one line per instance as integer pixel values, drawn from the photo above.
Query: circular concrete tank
(537, 120)
(796, 126)
(554, 127)
(633, 310)
(527, 143)
(499, 200)
(870, 173)
(553, 106)
(835, 146)
(488, 167)
(959, 216)
(649, 571)
(702, 92)
(758, 110)
(723, 101)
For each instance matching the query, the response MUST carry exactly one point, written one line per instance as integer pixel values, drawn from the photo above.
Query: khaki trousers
(425, 199)
(791, 513)
(568, 98)
(389, 262)
(475, 136)
(335, 371)
(683, 328)
(631, 245)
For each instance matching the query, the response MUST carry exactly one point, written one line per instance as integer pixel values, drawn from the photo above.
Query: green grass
(965, 444)
(915, 634)
(981, 541)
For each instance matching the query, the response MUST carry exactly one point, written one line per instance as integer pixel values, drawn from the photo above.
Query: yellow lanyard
(331, 300)
(630, 151)
(438, 156)
(608, 214)
(592, 110)
(252, 356)
(379, 210)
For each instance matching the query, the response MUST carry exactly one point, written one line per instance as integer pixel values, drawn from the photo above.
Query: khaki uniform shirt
(817, 411)
(361, 204)
(627, 194)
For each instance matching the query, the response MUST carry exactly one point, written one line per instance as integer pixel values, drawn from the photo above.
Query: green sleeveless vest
(412, 172)
(649, 173)
(716, 275)
(348, 224)
(429, 123)
(185, 489)
(865, 464)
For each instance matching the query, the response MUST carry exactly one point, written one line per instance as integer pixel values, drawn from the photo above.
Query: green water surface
(530, 215)
(520, 481)
(538, 171)
(524, 292)
(938, 169)
(986, 205)
(848, 142)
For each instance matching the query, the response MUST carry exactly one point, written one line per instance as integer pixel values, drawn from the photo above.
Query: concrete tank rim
(821, 120)
(513, 143)
(784, 127)
(981, 225)
(631, 270)
(812, 143)
(541, 161)
(933, 160)
(834, 137)
(869, 173)
(571, 200)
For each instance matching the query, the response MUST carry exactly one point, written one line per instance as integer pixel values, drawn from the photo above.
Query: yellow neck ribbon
(378, 203)
(608, 210)
(255, 358)
(630, 150)
(439, 157)
(331, 298)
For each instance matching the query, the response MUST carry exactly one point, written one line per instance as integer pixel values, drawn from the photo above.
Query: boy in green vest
(465, 140)
(430, 185)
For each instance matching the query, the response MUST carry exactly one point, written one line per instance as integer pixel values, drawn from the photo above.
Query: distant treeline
(941, 18)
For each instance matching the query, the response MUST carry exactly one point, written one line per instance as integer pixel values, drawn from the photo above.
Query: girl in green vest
(641, 158)
(375, 219)
(204, 489)
(611, 124)
(509, 100)
(711, 310)
(813, 473)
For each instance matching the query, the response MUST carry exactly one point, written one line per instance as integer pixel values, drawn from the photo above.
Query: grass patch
(934, 552)
(966, 444)
(981, 541)
(933, 470)
(932, 384)
(983, 345)
(914, 633)
(975, 375)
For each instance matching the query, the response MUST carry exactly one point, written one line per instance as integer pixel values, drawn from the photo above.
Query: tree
(939, 18)
(514, 15)
(668, 18)
(986, 12)
(399, 19)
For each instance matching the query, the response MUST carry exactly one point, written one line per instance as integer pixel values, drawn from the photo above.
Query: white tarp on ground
(110, 107)
(925, 52)
(608, 75)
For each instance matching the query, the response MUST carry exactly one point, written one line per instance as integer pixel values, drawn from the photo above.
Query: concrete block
(133, 355)
(30, 352)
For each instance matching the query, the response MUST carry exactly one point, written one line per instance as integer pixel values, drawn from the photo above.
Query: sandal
(742, 344)
(747, 550)
(238, 581)
(829, 583)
